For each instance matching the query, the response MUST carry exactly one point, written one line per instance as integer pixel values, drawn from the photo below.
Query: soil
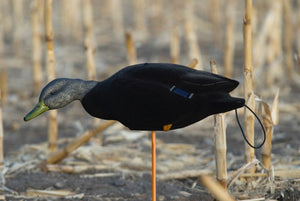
(125, 156)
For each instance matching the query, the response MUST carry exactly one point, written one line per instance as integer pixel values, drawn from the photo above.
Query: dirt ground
(116, 165)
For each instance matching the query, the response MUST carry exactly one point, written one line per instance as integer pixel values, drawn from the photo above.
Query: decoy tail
(238, 102)
(209, 82)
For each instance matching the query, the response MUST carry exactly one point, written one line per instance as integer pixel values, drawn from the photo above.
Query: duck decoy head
(59, 93)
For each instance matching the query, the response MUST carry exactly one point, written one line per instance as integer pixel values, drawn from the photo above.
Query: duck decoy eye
(52, 93)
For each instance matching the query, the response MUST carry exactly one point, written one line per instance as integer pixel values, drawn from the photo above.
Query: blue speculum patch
(181, 92)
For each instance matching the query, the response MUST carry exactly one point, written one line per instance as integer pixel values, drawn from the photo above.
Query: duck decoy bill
(36, 111)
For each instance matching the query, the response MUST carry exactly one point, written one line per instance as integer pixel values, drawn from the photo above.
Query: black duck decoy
(150, 96)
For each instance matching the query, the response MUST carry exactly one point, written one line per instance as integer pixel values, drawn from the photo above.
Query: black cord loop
(264, 132)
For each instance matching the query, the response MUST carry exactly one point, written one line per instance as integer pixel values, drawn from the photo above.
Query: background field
(116, 165)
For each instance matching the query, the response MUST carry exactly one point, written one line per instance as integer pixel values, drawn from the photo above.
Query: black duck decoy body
(150, 96)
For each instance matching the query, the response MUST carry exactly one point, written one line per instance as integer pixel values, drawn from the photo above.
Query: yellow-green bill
(36, 111)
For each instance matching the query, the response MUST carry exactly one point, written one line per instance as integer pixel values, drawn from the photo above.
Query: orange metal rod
(153, 167)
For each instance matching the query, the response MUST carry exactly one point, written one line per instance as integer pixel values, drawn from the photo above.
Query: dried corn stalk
(36, 45)
(229, 39)
(83, 138)
(216, 14)
(139, 16)
(215, 188)
(3, 85)
(268, 125)
(89, 41)
(131, 54)
(1, 136)
(275, 109)
(117, 17)
(175, 46)
(288, 37)
(50, 65)
(193, 63)
(156, 18)
(249, 96)
(298, 35)
(191, 37)
(220, 141)
(270, 116)
(18, 15)
(71, 21)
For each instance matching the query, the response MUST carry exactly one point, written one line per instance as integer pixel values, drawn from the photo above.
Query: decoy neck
(59, 93)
